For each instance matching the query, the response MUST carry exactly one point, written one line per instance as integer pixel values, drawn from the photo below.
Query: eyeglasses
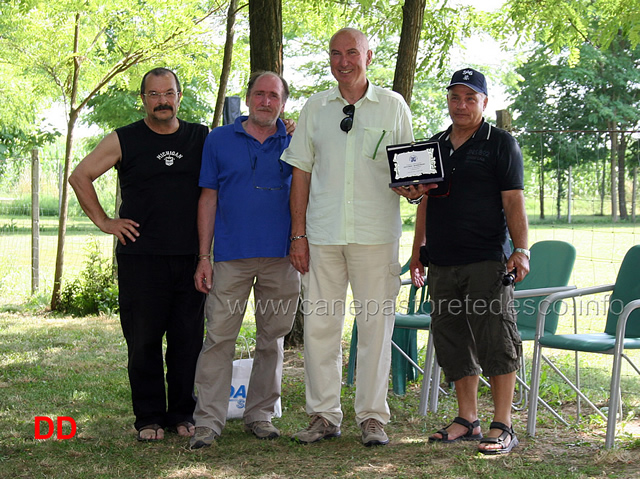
(254, 161)
(347, 122)
(169, 95)
(273, 185)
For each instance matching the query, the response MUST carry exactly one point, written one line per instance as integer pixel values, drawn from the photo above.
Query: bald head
(356, 35)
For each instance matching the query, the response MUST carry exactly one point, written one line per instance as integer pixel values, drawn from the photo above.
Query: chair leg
(436, 389)
(353, 353)
(535, 389)
(430, 382)
(614, 397)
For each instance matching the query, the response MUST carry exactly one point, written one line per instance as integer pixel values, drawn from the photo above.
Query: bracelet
(201, 256)
(416, 201)
(296, 238)
(525, 252)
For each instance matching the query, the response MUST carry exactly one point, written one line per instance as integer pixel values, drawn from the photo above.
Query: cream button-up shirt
(349, 198)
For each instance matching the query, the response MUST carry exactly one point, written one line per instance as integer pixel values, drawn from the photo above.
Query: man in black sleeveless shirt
(158, 161)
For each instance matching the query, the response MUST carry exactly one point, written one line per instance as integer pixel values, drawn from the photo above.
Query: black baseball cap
(471, 78)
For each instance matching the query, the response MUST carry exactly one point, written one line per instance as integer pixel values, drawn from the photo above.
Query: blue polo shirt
(253, 184)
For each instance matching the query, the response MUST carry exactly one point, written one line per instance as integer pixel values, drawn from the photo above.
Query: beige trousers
(373, 271)
(276, 287)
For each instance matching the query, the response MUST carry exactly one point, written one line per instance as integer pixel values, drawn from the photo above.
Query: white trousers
(374, 274)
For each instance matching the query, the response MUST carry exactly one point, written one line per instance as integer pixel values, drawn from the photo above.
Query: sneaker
(319, 428)
(373, 433)
(203, 437)
(262, 430)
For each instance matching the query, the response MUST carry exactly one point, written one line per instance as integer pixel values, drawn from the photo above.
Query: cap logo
(467, 74)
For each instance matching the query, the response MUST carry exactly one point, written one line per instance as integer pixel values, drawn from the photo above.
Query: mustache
(163, 107)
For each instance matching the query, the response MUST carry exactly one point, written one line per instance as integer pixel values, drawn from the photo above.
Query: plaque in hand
(415, 163)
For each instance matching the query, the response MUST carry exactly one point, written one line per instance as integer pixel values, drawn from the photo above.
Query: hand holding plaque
(415, 163)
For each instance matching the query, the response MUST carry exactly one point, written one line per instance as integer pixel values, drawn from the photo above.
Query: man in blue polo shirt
(245, 196)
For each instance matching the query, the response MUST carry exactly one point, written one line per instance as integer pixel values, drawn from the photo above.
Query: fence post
(569, 195)
(634, 194)
(503, 120)
(35, 221)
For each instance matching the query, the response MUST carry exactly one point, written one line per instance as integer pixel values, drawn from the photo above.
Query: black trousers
(158, 297)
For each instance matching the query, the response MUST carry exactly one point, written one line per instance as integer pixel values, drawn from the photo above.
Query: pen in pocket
(384, 132)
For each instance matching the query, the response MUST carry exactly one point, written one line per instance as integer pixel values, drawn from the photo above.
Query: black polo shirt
(466, 223)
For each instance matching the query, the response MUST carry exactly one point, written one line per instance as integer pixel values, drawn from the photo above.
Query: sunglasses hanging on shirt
(347, 122)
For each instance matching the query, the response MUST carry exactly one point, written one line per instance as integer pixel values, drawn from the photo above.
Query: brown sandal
(154, 427)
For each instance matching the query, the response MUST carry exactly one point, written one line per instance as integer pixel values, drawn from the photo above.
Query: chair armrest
(622, 320)
(530, 293)
(546, 303)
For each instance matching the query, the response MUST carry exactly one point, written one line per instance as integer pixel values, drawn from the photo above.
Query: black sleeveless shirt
(159, 183)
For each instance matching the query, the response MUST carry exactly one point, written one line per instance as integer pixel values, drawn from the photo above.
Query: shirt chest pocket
(374, 145)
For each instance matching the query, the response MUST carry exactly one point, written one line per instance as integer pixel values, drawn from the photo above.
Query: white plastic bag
(240, 386)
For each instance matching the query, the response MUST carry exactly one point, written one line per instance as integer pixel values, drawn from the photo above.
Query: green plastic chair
(622, 331)
(551, 266)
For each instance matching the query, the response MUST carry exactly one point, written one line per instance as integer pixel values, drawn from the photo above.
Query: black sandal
(469, 436)
(155, 427)
(501, 439)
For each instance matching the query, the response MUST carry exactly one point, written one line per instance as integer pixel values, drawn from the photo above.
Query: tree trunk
(614, 176)
(622, 149)
(265, 37)
(62, 222)
(412, 19)
(64, 208)
(226, 62)
(295, 338)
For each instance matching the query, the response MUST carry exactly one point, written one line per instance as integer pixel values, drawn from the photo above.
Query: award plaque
(415, 163)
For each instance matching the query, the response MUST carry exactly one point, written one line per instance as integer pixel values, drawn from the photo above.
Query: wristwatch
(525, 252)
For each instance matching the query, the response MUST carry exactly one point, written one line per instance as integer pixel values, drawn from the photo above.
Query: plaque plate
(415, 163)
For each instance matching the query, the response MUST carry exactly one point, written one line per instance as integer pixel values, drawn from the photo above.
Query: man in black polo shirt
(463, 228)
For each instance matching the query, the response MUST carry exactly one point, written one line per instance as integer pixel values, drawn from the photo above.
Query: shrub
(95, 290)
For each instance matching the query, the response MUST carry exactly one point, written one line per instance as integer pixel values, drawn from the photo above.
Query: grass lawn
(62, 366)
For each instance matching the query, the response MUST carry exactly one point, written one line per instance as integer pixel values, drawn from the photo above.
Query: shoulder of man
(387, 92)
(438, 136)
(501, 135)
(321, 96)
(194, 125)
(131, 126)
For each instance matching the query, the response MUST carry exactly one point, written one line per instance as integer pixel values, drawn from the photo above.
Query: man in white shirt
(345, 229)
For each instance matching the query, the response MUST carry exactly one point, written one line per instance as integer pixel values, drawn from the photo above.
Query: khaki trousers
(276, 287)
(374, 274)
